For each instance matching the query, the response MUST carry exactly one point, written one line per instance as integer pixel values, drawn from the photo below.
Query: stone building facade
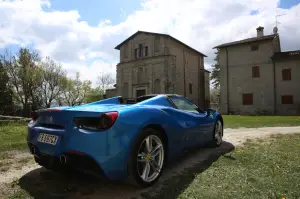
(153, 63)
(257, 78)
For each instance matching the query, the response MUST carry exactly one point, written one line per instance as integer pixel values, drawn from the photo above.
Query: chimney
(260, 31)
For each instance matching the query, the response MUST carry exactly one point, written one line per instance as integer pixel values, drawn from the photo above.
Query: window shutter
(255, 71)
(286, 74)
(248, 99)
(287, 99)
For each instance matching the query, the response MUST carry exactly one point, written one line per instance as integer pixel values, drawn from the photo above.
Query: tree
(24, 78)
(6, 102)
(35, 88)
(215, 74)
(53, 81)
(214, 95)
(75, 91)
(95, 94)
(105, 81)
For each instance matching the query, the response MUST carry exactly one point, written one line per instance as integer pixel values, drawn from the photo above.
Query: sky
(82, 34)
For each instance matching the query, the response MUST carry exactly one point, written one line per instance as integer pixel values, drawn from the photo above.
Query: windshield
(183, 104)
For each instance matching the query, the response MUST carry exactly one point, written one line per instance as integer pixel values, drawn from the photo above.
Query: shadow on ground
(41, 183)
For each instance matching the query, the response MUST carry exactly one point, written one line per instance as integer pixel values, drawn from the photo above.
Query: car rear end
(86, 139)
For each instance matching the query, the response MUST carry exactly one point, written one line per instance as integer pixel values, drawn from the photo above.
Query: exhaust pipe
(63, 159)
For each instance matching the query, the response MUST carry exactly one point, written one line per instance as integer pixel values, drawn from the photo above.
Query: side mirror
(208, 112)
(200, 110)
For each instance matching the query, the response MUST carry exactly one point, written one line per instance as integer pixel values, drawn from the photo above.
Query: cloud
(64, 36)
(92, 71)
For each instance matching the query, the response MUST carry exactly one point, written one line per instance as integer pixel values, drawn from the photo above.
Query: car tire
(142, 167)
(217, 134)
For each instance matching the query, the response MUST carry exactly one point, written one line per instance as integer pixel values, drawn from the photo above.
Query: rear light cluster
(104, 122)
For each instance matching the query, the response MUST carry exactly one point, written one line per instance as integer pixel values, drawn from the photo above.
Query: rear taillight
(34, 115)
(108, 119)
(104, 122)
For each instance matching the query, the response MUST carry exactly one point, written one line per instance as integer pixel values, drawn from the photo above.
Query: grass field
(236, 121)
(13, 136)
(264, 169)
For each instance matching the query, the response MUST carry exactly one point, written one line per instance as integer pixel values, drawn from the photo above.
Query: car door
(197, 125)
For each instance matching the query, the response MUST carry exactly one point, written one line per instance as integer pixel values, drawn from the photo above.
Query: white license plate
(48, 139)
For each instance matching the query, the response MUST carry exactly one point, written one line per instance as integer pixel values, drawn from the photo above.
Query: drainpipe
(203, 84)
(199, 85)
(227, 80)
(274, 86)
(203, 90)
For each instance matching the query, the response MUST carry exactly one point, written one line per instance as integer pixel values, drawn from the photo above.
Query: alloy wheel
(218, 132)
(150, 158)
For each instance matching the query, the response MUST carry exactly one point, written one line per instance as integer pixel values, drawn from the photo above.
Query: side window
(183, 104)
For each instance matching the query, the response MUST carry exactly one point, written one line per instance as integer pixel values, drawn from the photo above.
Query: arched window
(157, 86)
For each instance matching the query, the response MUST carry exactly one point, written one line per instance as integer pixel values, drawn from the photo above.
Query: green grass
(264, 169)
(13, 136)
(236, 121)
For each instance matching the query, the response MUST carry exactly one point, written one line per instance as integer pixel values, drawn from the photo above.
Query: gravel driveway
(42, 183)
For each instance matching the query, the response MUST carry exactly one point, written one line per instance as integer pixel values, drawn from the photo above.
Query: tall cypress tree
(215, 74)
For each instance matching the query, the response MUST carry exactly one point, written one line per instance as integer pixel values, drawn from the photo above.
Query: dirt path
(14, 164)
(41, 183)
(240, 135)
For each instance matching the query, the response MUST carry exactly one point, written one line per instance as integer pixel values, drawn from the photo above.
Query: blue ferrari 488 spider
(122, 141)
